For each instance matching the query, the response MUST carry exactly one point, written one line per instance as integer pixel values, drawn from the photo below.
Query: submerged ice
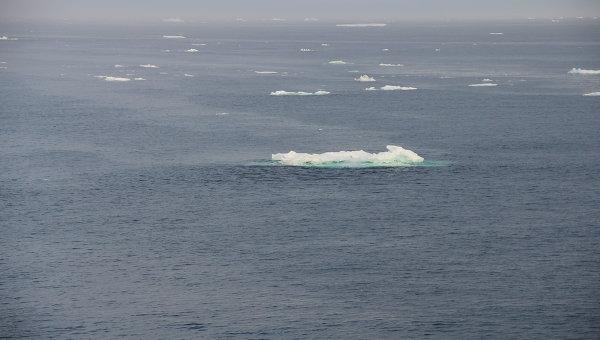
(394, 156)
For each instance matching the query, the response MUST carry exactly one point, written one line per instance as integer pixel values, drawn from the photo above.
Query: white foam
(265, 72)
(391, 65)
(592, 94)
(395, 156)
(299, 93)
(584, 71)
(483, 85)
(148, 66)
(192, 50)
(365, 78)
(174, 37)
(397, 88)
(337, 62)
(362, 25)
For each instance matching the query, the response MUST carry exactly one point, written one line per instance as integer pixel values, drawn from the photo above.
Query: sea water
(143, 192)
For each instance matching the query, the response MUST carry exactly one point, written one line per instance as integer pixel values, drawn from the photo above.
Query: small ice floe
(337, 62)
(148, 66)
(191, 50)
(306, 50)
(265, 72)
(173, 36)
(584, 71)
(390, 65)
(385, 49)
(299, 93)
(139, 78)
(362, 25)
(486, 80)
(483, 85)
(365, 78)
(119, 66)
(188, 75)
(324, 44)
(592, 94)
(392, 88)
(496, 33)
(113, 79)
(222, 113)
(8, 38)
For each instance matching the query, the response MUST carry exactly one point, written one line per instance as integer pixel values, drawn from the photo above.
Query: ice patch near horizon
(148, 66)
(173, 36)
(584, 71)
(391, 65)
(362, 25)
(299, 93)
(592, 94)
(265, 72)
(365, 78)
(394, 156)
(337, 62)
(173, 20)
(483, 85)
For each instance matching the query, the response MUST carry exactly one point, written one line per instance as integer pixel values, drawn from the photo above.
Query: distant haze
(323, 10)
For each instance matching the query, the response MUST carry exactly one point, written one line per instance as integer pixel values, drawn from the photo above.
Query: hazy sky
(325, 10)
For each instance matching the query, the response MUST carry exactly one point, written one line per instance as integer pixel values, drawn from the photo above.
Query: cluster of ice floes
(392, 88)
(584, 71)
(365, 78)
(394, 156)
(299, 93)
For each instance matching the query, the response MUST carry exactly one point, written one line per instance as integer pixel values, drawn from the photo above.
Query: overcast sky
(324, 10)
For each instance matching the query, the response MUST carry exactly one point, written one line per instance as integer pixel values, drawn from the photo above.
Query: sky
(293, 10)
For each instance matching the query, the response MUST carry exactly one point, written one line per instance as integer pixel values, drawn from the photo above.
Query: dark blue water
(148, 209)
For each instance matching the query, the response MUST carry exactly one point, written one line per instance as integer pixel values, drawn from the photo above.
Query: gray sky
(324, 10)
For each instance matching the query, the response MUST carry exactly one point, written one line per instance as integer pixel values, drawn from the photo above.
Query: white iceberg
(365, 78)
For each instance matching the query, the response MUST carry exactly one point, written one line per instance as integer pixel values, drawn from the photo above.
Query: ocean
(139, 195)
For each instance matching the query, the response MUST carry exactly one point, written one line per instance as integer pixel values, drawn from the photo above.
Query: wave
(148, 66)
(483, 85)
(592, 94)
(362, 25)
(299, 93)
(173, 37)
(584, 71)
(265, 72)
(391, 65)
(395, 156)
(192, 50)
(365, 78)
(337, 62)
